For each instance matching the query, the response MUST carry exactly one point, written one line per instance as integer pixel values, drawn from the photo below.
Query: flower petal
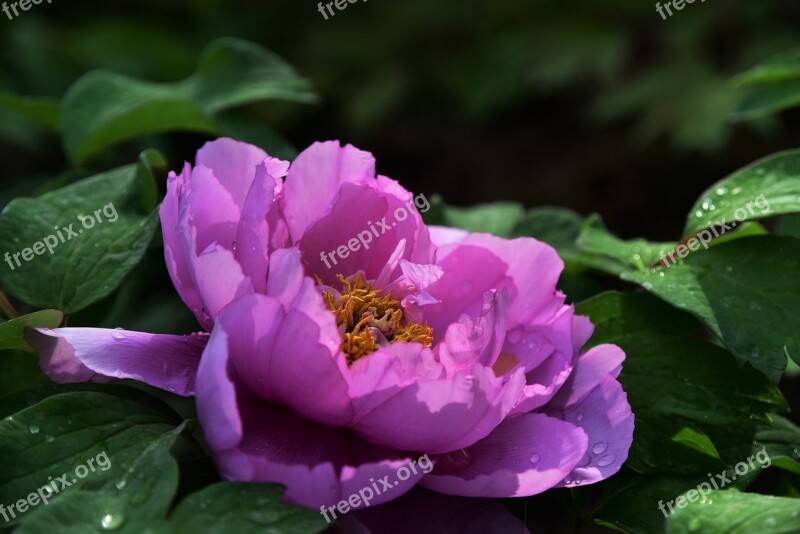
(97, 354)
(261, 228)
(525, 455)
(254, 440)
(472, 341)
(233, 163)
(316, 176)
(606, 417)
(591, 369)
(282, 356)
(404, 402)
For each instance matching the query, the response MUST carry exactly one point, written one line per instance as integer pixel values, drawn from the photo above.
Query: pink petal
(254, 440)
(404, 402)
(234, 164)
(606, 417)
(525, 455)
(591, 369)
(79, 354)
(282, 356)
(316, 176)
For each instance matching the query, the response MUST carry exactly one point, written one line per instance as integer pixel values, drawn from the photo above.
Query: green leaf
(246, 508)
(756, 316)
(41, 111)
(734, 512)
(636, 254)
(674, 382)
(498, 218)
(769, 88)
(11, 331)
(768, 187)
(85, 267)
(50, 431)
(139, 499)
(696, 439)
(103, 108)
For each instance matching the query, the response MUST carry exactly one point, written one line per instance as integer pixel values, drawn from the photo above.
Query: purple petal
(472, 341)
(177, 263)
(282, 356)
(80, 354)
(590, 370)
(316, 176)
(218, 278)
(404, 402)
(606, 417)
(525, 455)
(234, 164)
(254, 440)
(259, 228)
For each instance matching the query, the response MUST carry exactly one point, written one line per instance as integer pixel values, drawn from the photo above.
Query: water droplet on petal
(608, 459)
(535, 459)
(579, 417)
(117, 334)
(600, 447)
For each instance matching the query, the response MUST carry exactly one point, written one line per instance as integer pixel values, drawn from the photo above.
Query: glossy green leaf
(734, 512)
(769, 88)
(768, 187)
(756, 316)
(53, 431)
(104, 108)
(109, 234)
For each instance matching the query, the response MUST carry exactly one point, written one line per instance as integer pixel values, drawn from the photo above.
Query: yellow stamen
(361, 312)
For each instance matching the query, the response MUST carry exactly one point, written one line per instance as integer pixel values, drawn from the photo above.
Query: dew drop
(111, 522)
(535, 459)
(698, 213)
(608, 459)
(117, 334)
(33, 429)
(600, 448)
(579, 418)
(49, 439)
(121, 484)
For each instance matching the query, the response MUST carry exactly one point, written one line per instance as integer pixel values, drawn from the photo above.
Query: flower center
(368, 320)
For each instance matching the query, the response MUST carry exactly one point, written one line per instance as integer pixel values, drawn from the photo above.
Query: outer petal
(606, 417)
(590, 370)
(427, 512)
(177, 263)
(404, 402)
(80, 354)
(233, 163)
(525, 455)
(316, 176)
(254, 440)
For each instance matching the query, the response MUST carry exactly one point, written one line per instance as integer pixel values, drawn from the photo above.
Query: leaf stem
(6, 307)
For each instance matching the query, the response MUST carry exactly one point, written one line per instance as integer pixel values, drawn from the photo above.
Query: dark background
(593, 105)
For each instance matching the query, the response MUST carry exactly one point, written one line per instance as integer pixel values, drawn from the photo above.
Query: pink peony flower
(348, 339)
